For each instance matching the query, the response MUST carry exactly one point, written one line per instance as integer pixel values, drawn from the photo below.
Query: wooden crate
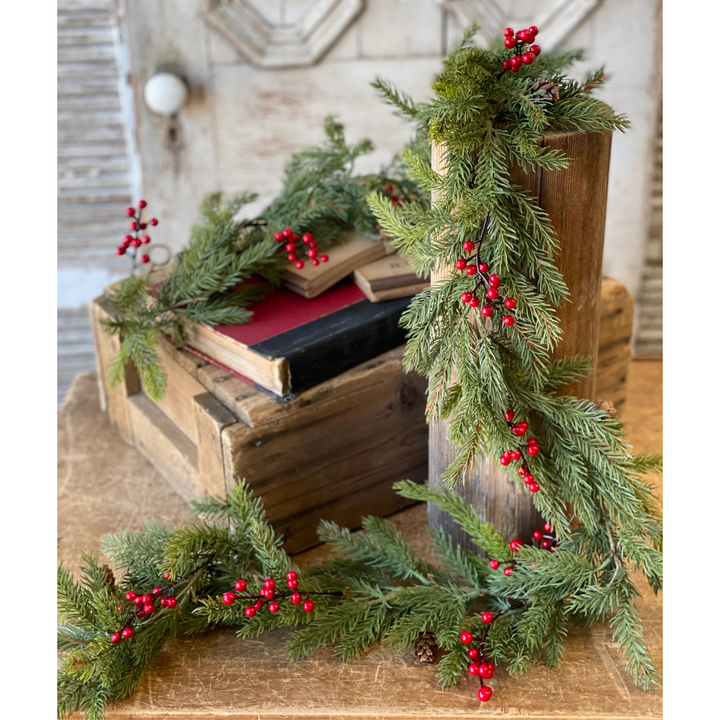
(333, 452)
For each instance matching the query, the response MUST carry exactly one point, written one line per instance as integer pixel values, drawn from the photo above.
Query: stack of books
(324, 321)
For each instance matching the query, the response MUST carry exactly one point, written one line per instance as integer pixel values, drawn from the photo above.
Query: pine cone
(607, 406)
(109, 578)
(426, 648)
(545, 90)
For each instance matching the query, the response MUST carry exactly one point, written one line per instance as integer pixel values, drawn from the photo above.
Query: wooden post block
(575, 199)
(210, 418)
(112, 399)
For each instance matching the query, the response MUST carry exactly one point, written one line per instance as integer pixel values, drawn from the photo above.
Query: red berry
(157, 591)
(474, 302)
(299, 264)
(473, 653)
(147, 598)
(474, 669)
(116, 638)
(312, 244)
(290, 247)
(279, 237)
(149, 609)
(547, 527)
(487, 617)
(136, 242)
(508, 571)
(258, 604)
(522, 35)
(515, 455)
(486, 310)
(127, 240)
(143, 226)
(533, 30)
(315, 261)
(292, 257)
(466, 297)
(520, 429)
(527, 479)
(229, 598)
(533, 487)
(296, 598)
(466, 638)
(388, 187)
(394, 199)
(515, 63)
(138, 601)
(120, 250)
(510, 42)
(509, 32)
(128, 632)
(509, 415)
(537, 535)
(514, 545)
(273, 607)
(307, 237)
(292, 575)
(130, 211)
(468, 246)
(545, 544)
(504, 460)
(487, 670)
(460, 264)
(510, 303)
(142, 204)
(120, 608)
(140, 614)
(515, 68)
(484, 693)
(170, 602)
(494, 280)
(533, 450)
(267, 592)
(287, 233)
(166, 576)
(508, 320)
(269, 583)
(292, 584)
(308, 606)
(532, 441)
(535, 50)
(240, 585)
(145, 259)
(494, 564)
(527, 58)
(520, 471)
(324, 258)
(250, 612)
(471, 269)
(312, 253)
(505, 64)
(482, 267)
(154, 222)
(163, 601)
(492, 293)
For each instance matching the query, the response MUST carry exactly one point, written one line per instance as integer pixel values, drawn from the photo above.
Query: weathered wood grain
(575, 199)
(105, 486)
(210, 420)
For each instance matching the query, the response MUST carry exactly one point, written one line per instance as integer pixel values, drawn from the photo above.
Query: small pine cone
(607, 406)
(545, 90)
(109, 578)
(426, 648)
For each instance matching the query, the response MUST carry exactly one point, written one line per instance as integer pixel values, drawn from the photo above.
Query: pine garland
(602, 521)
(209, 284)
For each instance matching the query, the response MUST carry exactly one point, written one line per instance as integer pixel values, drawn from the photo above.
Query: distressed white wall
(242, 123)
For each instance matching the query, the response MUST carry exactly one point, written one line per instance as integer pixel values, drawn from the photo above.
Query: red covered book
(294, 343)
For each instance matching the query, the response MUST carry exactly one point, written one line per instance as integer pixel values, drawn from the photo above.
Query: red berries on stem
(523, 55)
(136, 241)
(295, 244)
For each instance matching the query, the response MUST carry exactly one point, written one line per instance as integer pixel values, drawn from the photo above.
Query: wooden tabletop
(105, 486)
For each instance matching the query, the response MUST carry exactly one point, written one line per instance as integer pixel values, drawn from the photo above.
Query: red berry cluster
(523, 55)
(531, 448)
(269, 594)
(547, 542)
(479, 665)
(145, 604)
(395, 199)
(135, 241)
(293, 248)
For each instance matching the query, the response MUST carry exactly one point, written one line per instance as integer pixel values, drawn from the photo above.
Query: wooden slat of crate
(614, 343)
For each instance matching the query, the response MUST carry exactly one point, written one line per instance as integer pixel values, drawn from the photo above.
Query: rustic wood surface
(575, 200)
(105, 486)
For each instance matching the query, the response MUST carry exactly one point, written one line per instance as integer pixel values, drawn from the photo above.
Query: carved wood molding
(265, 36)
(555, 18)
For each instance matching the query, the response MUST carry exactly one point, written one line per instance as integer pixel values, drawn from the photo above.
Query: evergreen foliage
(210, 281)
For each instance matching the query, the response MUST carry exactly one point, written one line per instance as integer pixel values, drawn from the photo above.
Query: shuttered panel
(648, 338)
(93, 166)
